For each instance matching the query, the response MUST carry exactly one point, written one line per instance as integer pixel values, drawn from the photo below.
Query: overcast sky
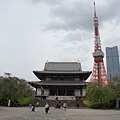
(33, 31)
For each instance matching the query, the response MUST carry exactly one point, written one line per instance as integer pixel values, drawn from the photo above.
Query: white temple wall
(83, 92)
(46, 92)
(38, 91)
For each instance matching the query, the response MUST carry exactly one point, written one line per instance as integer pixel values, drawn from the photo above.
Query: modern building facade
(60, 79)
(112, 60)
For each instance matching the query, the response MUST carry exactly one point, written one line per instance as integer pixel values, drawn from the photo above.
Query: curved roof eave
(40, 74)
(35, 84)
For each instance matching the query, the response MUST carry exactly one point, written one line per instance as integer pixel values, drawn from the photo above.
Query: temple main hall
(60, 79)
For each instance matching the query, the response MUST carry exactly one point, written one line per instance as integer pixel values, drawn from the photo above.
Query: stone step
(52, 103)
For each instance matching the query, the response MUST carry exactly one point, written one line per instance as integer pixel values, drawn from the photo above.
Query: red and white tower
(98, 73)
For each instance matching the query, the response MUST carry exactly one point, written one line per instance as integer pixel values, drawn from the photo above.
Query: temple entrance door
(53, 92)
(70, 92)
(42, 92)
(61, 92)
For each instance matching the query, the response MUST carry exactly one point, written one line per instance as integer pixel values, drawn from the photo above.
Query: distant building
(112, 60)
(60, 79)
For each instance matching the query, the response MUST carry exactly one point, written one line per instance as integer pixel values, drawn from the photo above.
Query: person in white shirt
(65, 106)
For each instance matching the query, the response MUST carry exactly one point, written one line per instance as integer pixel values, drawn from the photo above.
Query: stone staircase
(52, 103)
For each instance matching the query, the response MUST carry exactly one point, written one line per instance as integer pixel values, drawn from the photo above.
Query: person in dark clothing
(33, 108)
(47, 108)
(78, 105)
(59, 105)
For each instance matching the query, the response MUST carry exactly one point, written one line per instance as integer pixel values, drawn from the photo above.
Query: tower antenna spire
(94, 11)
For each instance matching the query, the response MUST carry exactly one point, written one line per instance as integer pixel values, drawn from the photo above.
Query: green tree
(115, 85)
(14, 89)
(100, 96)
(116, 80)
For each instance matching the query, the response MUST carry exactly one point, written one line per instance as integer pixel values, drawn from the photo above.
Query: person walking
(30, 106)
(33, 108)
(78, 102)
(65, 106)
(47, 107)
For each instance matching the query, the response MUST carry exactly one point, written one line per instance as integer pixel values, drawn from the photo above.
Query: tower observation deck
(98, 73)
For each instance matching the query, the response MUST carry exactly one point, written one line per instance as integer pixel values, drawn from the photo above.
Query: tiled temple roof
(62, 66)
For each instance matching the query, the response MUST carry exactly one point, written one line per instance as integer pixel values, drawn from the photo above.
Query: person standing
(57, 103)
(30, 106)
(47, 107)
(37, 104)
(78, 104)
(9, 102)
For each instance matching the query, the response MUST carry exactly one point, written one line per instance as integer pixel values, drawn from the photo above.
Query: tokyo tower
(98, 73)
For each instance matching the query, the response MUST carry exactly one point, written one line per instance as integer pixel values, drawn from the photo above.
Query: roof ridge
(62, 62)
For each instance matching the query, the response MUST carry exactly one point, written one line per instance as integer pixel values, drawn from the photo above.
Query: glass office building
(112, 59)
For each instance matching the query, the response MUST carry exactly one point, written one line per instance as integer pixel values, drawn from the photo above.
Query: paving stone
(24, 113)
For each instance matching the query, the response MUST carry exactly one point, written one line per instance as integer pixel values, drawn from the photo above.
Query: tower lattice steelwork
(98, 73)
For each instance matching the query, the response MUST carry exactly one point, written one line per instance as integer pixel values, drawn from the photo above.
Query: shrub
(25, 101)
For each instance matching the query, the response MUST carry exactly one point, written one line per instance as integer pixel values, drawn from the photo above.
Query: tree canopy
(100, 96)
(14, 89)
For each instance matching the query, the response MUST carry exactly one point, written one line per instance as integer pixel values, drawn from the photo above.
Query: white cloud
(33, 31)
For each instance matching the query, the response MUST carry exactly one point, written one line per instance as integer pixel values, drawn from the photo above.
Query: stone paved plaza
(24, 113)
